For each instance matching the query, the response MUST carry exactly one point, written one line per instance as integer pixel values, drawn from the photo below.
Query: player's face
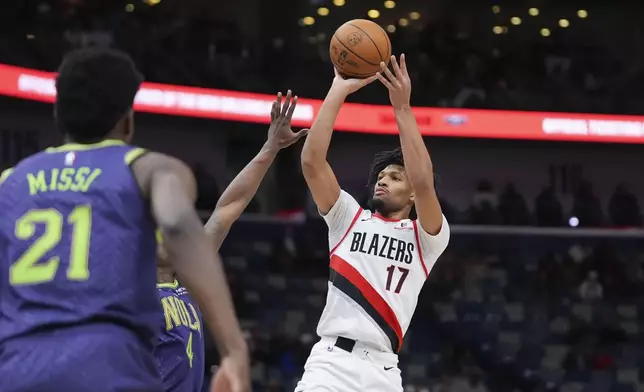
(393, 191)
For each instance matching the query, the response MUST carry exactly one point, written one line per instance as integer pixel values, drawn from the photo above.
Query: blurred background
(542, 286)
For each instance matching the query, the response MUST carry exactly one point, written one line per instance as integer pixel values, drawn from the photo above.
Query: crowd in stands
(451, 65)
(510, 312)
(509, 207)
(499, 312)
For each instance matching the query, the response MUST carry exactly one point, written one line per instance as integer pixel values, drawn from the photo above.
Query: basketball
(357, 48)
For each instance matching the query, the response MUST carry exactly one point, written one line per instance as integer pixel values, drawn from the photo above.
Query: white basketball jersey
(377, 269)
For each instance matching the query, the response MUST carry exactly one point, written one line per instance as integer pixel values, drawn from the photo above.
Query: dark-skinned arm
(238, 195)
(243, 188)
(171, 188)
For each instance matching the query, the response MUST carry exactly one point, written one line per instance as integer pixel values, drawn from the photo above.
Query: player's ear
(411, 198)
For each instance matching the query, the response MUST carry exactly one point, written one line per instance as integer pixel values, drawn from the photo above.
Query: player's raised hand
(398, 82)
(349, 85)
(233, 375)
(280, 134)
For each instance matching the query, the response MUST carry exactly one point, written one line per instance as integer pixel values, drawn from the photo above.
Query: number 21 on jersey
(30, 269)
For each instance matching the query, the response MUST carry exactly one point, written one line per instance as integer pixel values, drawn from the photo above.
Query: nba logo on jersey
(70, 158)
(404, 225)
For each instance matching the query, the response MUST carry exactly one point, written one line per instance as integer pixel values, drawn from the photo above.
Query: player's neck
(165, 275)
(395, 215)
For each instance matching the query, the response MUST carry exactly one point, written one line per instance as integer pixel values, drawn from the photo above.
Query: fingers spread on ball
(395, 66)
(403, 64)
(384, 81)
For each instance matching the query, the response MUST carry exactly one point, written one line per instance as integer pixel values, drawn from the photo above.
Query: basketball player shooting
(379, 258)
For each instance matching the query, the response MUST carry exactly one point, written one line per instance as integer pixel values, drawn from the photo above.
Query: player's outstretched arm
(171, 187)
(242, 189)
(317, 171)
(418, 163)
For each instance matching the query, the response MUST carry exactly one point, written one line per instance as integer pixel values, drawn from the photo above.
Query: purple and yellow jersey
(77, 271)
(180, 349)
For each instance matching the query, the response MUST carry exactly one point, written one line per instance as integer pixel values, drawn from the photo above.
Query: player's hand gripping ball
(358, 47)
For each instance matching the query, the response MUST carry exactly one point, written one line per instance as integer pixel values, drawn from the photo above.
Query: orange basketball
(357, 48)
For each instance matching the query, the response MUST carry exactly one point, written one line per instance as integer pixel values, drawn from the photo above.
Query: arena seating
(491, 303)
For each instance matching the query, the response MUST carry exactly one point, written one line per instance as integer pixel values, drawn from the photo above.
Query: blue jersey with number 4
(180, 347)
(77, 248)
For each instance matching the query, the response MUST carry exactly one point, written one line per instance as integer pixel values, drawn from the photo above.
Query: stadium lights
(515, 20)
(403, 22)
(338, 3)
(496, 9)
(533, 11)
(373, 14)
(414, 15)
(391, 29)
(564, 23)
(497, 30)
(323, 11)
(582, 14)
(129, 8)
(390, 4)
(308, 21)
(545, 32)
(151, 2)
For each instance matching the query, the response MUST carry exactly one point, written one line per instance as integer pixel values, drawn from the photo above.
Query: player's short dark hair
(380, 161)
(95, 88)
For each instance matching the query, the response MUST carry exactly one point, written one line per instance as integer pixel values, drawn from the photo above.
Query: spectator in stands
(586, 206)
(591, 289)
(549, 211)
(513, 208)
(484, 207)
(623, 208)
(445, 384)
(207, 189)
(473, 383)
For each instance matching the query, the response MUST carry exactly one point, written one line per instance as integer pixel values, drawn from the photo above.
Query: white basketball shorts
(332, 369)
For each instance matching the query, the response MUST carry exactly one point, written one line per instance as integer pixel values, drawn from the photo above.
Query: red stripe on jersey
(420, 252)
(353, 222)
(374, 299)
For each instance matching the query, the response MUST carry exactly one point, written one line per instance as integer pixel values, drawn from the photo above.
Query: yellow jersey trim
(5, 173)
(172, 285)
(134, 154)
(84, 147)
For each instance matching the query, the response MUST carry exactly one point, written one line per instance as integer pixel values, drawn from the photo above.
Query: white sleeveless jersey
(377, 269)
